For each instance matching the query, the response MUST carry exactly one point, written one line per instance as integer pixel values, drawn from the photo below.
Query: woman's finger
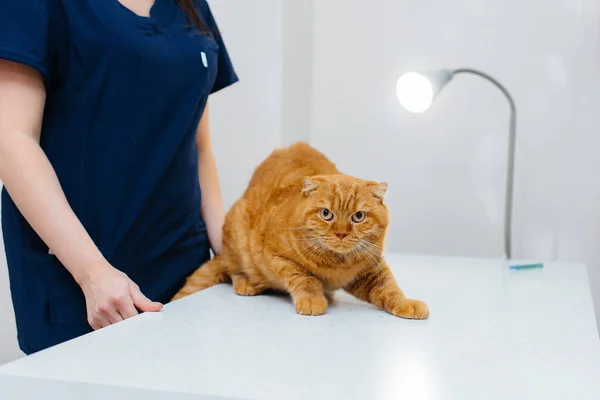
(113, 316)
(127, 309)
(142, 302)
(97, 321)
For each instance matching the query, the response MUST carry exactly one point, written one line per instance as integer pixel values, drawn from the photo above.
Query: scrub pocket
(53, 306)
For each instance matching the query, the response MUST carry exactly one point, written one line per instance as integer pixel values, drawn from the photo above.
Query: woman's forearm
(212, 203)
(35, 189)
(110, 296)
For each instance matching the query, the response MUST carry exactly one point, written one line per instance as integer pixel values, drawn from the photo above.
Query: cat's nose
(341, 235)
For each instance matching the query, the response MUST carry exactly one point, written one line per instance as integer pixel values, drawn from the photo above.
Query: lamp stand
(510, 167)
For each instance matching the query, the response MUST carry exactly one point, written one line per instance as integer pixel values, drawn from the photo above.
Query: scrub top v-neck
(124, 97)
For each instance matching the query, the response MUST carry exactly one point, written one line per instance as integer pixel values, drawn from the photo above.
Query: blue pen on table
(527, 266)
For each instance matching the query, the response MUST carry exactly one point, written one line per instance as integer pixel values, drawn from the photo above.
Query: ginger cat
(304, 228)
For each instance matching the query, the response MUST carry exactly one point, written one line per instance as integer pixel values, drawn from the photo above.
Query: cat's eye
(359, 217)
(326, 214)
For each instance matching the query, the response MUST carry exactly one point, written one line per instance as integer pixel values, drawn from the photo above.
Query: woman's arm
(212, 203)
(35, 189)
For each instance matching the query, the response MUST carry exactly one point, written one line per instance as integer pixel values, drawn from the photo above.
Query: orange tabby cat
(304, 228)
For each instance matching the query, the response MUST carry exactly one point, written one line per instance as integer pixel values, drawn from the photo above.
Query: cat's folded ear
(379, 190)
(310, 184)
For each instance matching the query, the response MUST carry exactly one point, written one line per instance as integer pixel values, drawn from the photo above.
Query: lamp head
(416, 90)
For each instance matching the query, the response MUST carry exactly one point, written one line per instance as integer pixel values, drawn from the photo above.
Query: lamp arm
(510, 168)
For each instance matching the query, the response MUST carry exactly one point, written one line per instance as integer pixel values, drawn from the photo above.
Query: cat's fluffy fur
(296, 229)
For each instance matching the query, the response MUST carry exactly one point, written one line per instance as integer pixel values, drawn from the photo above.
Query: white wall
(446, 168)
(245, 119)
(298, 37)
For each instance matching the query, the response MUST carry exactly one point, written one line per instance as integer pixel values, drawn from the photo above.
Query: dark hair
(190, 10)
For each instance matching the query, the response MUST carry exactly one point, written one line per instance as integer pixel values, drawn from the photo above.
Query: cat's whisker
(357, 250)
(304, 246)
(287, 251)
(369, 257)
(372, 264)
(373, 260)
(372, 253)
(308, 238)
(323, 249)
(311, 253)
(371, 245)
(375, 255)
(307, 247)
(362, 264)
(300, 247)
(314, 249)
(308, 228)
(300, 244)
(320, 248)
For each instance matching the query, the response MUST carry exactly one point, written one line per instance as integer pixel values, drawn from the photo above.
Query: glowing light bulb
(414, 92)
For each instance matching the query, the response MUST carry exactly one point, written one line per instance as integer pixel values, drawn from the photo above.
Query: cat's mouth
(340, 246)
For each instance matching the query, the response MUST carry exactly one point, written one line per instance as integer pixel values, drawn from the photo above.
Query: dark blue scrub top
(124, 97)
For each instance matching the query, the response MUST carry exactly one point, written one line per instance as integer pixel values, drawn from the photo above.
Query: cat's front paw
(410, 309)
(311, 305)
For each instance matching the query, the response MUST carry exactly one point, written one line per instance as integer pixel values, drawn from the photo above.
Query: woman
(104, 151)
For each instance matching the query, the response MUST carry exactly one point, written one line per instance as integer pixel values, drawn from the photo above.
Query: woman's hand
(110, 296)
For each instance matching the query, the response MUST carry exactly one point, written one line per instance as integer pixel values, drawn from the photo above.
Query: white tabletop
(493, 334)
